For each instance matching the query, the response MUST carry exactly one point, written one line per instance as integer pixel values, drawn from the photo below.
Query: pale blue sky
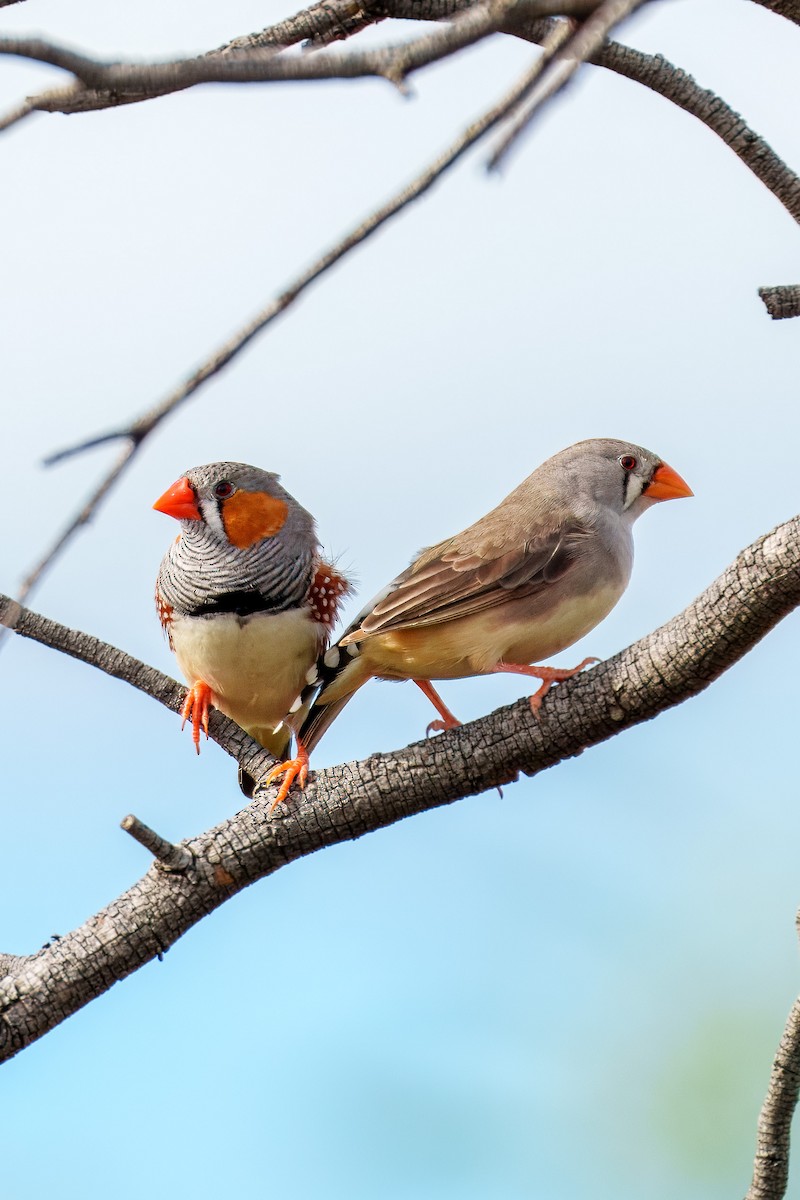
(574, 991)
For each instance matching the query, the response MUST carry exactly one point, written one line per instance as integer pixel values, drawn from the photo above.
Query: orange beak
(180, 502)
(667, 484)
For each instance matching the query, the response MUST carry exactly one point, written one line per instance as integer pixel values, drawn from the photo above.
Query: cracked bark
(668, 666)
(782, 301)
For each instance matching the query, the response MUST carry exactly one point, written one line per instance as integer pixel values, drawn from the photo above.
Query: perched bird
(246, 602)
(521, 584)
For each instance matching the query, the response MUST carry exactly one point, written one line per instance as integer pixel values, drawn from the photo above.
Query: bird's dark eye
(628, 462)
(223, 489)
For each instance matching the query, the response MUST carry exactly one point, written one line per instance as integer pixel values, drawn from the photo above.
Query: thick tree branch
(675, 662)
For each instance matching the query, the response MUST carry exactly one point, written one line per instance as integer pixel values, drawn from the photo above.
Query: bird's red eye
(223, 489)
(628, 462)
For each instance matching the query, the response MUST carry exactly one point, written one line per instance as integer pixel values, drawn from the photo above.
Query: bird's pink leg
(293, 768)
(548, 676)
(448, 721)
(196, 708)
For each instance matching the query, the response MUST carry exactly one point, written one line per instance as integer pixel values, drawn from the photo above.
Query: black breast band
(240, 604)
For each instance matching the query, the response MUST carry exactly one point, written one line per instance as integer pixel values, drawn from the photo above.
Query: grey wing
(439, 587)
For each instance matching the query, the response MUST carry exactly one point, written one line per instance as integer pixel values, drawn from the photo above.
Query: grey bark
(782, 301)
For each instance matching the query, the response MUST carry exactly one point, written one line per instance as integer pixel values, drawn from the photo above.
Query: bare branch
(651, 70)
(781, 301)
(144, 425)
(580, 47)
(670, 81)
(675, 662)
(322, 23)
(771, 1167)
(272, 65)
(102, 439)
(784, 8)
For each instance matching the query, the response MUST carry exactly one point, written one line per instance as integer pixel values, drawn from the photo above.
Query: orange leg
(293, 768)
(448, 721)
(196, 708)
(548, 676)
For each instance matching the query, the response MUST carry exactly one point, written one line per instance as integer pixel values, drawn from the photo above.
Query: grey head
(246, 544)
(597, 480)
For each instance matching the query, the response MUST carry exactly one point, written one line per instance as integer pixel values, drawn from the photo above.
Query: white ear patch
(210, 513)
(634, 489)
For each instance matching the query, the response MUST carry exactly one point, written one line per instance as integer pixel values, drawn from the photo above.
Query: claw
(441, 726)
(293, 768)
(196, 708)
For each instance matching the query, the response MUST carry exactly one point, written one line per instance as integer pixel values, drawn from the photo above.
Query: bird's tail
(340, 674)
(277, 742)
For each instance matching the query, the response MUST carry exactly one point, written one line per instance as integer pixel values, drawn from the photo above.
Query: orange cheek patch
(250, 516)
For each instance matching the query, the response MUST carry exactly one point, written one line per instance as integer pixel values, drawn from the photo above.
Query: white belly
(255, 666)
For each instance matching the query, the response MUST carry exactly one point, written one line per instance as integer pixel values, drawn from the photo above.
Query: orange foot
(548, 676)
(448, 721)
(293, 768)
(196, 708)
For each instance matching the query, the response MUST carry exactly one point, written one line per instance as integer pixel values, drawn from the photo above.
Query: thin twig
(15, 115)
(585, 42)
(81, 518)
(102, 439)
